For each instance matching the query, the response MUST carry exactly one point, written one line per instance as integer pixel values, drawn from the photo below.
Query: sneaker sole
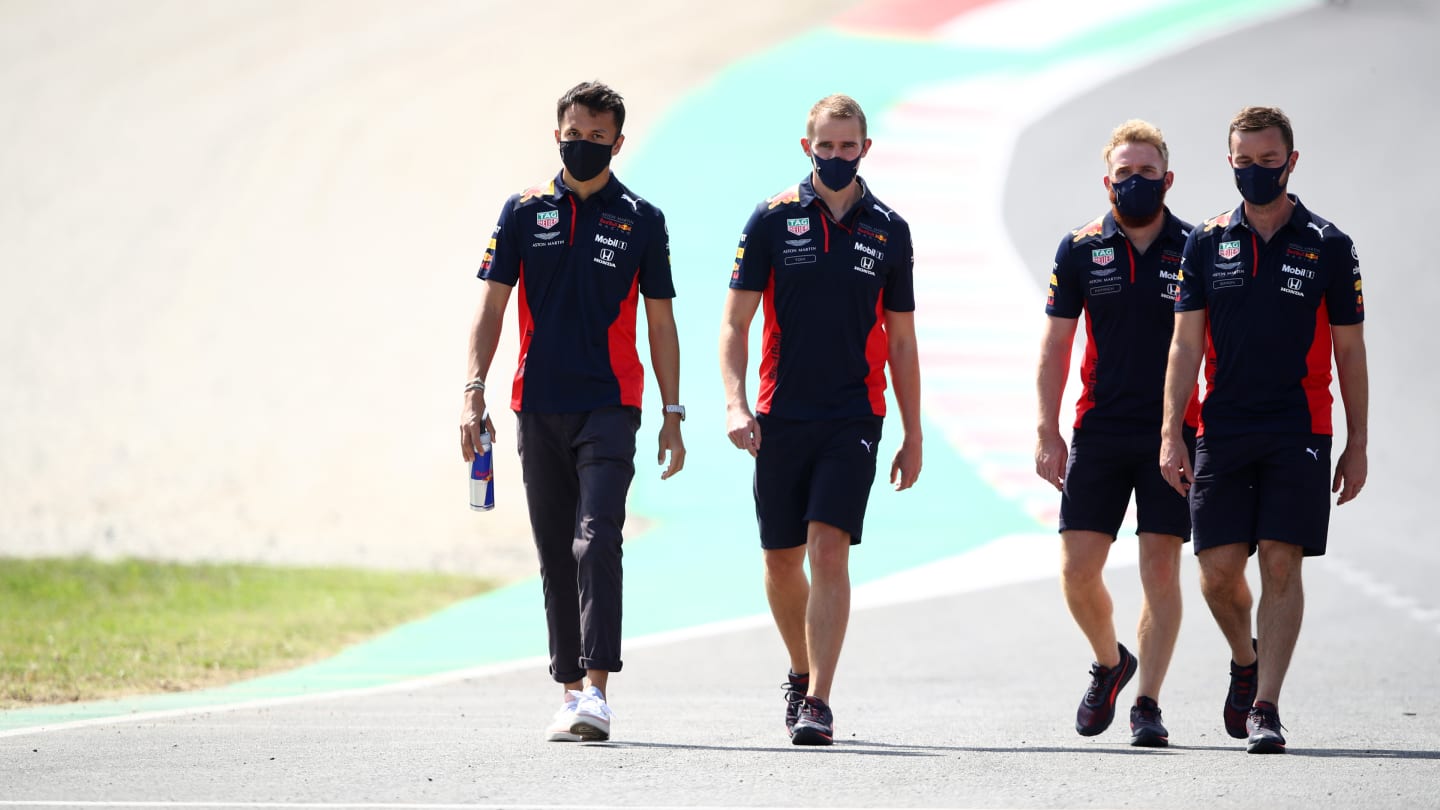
(589, 732)
(804, 735)
(562, 736)
(1149, 740)
(1265, 747)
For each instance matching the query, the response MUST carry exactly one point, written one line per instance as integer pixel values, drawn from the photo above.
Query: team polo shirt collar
(1109, 228)
(1172, 229)
(808, 196)
(609, 192)
(1299, 217)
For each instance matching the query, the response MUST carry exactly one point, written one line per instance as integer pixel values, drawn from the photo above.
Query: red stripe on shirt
(770, 351)
(624, 359)
(1209, 372)
(1087, 374)
(877, 351)
(1317, 375)
(527, 328)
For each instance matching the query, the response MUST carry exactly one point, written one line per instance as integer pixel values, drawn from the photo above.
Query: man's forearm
(665, 357)
(905, 369)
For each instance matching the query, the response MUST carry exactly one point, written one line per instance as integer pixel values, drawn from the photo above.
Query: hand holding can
(482, 477)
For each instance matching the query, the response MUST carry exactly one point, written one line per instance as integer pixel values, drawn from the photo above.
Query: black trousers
(577, 469)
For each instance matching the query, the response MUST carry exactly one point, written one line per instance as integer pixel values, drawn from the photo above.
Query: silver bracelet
(476, 384)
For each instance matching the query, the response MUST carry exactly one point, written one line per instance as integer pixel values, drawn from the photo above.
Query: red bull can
(482, 477)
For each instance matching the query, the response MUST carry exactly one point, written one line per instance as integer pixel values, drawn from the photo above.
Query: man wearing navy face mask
(1268, 291)
(1121, 270)
(581, 249)
(833, 266)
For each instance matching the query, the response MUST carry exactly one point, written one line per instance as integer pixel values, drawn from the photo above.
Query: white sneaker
(592, 717)
(559, 728)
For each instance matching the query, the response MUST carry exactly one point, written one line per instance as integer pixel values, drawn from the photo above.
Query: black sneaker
(815, 726)
(1240, 696)
(1146, 730)
(1097, 708)
(1263, 723)
(794, 699)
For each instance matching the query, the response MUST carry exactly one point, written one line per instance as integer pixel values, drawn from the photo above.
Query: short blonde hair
(836, 105)
(1136, 131)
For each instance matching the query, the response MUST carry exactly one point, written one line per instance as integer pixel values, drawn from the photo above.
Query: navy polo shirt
(578, 267)
(1128, 299)
(1269, 307)
(825, 287)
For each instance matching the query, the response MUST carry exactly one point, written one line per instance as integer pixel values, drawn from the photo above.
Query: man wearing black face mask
(1267, 292)
(582, 249)
(833, 266)
(1121, 270)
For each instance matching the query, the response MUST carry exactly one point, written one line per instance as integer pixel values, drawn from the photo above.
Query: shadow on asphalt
(868, 748)
(886, 749)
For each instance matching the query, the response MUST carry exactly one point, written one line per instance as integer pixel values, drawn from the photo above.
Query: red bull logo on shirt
(1218, 222)
(547, 190)
(789, 195)
(1093, 229)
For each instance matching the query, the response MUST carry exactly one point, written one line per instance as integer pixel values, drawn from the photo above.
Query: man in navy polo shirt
(1267, 291)
(833, 267)
(1122, 271)
(580, 249)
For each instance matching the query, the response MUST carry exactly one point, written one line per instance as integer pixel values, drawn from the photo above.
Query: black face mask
(585, 160)
(835, 173)
(1138, 199)
(1260, 185)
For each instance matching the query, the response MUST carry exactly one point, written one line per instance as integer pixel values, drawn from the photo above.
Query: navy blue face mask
(585, 159)
(1138, 198)
(1259, 185)
(835, 173)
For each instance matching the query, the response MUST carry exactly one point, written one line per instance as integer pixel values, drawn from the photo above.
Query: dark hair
(597, 97)
(1254, 119)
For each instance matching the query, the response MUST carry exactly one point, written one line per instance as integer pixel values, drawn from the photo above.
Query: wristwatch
(680, 409)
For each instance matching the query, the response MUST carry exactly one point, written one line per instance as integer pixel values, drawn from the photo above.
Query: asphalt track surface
(966, 699)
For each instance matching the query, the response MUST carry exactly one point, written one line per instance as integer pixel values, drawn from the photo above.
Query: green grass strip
(78, 629)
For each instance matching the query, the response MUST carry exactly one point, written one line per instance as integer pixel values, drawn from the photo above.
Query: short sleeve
(1067, 291)
(1192, 276)
(1344, 297)
(502, 258)
(900, 281)
(753, 256)
(656, 280)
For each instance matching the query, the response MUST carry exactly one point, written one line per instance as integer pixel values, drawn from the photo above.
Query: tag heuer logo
(1229, 250)
(1102, 256)
(798, 226)
(547, 219)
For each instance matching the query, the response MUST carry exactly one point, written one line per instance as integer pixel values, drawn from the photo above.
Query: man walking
(1268, 290)
(1121, 270)
(833, 266)
(580, 249)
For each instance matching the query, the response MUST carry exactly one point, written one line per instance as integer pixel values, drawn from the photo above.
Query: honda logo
(608, 255)
(867, 262)
(1292, 283)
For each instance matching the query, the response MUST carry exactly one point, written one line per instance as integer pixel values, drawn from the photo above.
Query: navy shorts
(1103, 470)
(1262, 486)
(813, 470)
